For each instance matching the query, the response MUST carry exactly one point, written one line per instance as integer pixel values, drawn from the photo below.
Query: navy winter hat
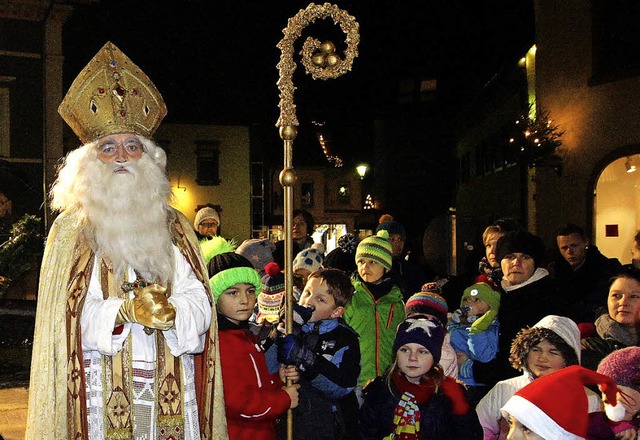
(392, 227)
(425, 331)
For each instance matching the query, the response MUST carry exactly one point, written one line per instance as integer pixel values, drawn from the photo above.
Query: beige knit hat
(206, 213)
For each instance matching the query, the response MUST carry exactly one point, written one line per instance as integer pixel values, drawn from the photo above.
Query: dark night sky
(219, 65)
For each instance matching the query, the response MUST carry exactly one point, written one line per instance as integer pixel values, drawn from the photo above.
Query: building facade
(583, 74)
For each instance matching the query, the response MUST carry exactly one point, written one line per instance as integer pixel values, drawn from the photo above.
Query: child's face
(630, 400)
(477, 307)
(544, 358)
(490, 248)
(237, 302)
(369, 270)
(316, 295)
(517, 431)
(414, 361)
(303, 273)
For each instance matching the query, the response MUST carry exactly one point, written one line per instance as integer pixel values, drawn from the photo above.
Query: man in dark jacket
(582, 273)
(407, 274)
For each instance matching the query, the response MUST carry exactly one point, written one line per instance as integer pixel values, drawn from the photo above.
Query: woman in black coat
(528, 295)
(615, 329)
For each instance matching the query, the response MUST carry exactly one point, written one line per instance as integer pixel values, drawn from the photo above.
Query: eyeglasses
(110, 147)
(208, 224)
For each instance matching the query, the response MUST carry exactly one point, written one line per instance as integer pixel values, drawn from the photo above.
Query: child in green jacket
(376, 308)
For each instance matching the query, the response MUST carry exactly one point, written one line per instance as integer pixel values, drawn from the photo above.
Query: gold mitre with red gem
(112, 95)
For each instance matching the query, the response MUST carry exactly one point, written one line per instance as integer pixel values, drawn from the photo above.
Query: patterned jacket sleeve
(337, 363)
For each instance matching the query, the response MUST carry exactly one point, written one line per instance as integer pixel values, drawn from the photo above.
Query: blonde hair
(493, 229)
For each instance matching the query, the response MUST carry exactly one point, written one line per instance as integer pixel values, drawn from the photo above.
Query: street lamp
(362, 170)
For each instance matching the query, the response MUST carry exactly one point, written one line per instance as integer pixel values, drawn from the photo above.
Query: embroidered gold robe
(57, 395)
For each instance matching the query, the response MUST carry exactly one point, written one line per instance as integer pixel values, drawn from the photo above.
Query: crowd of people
(437, 364)
(151, 327)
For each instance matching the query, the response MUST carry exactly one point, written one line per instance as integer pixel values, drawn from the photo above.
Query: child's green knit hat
(376, 248)
(226, 268)
(229, 269)
(487, 294)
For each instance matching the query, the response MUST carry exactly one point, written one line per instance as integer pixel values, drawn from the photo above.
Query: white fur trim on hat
(616, 412)
(530, 415)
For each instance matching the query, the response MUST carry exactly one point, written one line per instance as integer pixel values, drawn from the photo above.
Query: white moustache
(120, 168)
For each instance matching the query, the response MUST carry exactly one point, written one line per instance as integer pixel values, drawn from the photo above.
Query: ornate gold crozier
(321, 61)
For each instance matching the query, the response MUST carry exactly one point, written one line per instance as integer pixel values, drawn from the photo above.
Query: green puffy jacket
(376, 322)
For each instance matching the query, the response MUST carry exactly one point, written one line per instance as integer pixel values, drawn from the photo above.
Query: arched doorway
(616, 207)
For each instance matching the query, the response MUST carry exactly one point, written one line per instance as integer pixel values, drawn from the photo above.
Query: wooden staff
(321, 62)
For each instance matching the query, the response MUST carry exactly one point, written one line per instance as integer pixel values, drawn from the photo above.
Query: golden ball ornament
(328, 47)
(288, 132)
(287, 177)
(332, 59)
(318, 60)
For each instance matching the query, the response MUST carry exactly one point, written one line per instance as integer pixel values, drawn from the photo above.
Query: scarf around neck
(537, 275)
(406, 418)
(610, 329)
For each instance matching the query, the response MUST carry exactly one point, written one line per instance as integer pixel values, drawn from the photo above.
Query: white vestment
(193, 318)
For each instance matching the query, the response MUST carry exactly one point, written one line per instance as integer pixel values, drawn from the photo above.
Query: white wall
(617, 202)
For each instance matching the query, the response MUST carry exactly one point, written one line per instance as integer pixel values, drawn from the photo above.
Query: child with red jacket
(254, 398)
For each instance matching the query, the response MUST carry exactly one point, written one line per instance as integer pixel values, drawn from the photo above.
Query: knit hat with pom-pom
(393, 228)
(376, 248)
(427, 303)
(271, 294)
(217, 245)
(259, 251)
(623, 366)
(310, 258)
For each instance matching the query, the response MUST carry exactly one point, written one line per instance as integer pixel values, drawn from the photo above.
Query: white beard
(125, 213)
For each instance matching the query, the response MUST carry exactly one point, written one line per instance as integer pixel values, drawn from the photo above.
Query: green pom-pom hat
(376, 248)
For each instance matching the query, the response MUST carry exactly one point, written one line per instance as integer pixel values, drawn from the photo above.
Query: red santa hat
(555, 406)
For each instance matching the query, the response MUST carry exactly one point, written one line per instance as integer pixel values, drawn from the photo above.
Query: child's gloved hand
(149, 307)
(291, 351)
(301, 315)
(458, 316)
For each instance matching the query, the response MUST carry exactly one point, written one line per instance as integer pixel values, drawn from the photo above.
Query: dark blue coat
(436, 419)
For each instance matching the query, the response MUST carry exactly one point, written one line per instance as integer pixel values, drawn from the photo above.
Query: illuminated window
(306, 190)
(344, 194)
